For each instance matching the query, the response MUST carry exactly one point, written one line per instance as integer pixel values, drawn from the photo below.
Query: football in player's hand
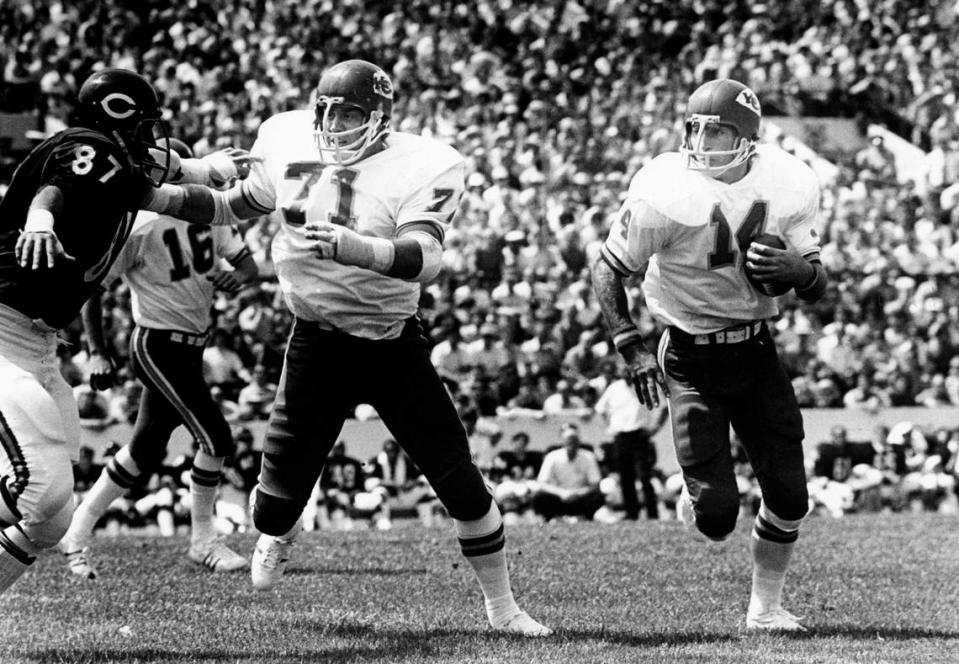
(770, 288)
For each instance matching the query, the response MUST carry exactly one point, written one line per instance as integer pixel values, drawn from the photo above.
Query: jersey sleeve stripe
(432, 227)
(252, 202)
(614, 262)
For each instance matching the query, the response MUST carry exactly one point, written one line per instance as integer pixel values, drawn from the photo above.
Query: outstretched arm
(198, 204)
(642, 366)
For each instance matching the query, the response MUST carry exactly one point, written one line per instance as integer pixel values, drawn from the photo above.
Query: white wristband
(39, 220)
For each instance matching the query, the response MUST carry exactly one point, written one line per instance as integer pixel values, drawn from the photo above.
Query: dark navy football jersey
(102, 190)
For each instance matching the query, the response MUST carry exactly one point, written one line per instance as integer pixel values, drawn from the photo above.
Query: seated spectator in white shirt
(564, 402)
(256, 399)
(568, 480)
(222, 365)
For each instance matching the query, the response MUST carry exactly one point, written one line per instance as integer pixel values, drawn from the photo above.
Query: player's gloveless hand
(645, 375)
(103, 373)
(37, 250)
(772, 264)
(225, 281)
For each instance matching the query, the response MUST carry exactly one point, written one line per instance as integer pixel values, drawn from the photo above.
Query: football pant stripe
(18, 462)
(190, 420)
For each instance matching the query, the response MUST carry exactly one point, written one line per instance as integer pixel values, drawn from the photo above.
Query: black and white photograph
(487, 331)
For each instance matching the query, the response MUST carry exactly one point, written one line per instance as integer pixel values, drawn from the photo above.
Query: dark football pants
(174, 393)
(742, 384)
(325, 374)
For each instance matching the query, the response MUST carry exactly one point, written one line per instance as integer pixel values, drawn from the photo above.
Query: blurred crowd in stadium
(555, 105)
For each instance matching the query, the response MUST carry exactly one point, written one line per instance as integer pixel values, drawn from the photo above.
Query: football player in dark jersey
(67, 212)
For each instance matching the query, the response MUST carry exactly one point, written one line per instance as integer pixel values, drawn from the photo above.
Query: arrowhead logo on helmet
(748, 99)
(382, 85)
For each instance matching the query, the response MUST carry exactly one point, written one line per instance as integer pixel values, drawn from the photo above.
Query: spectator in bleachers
(85, 472)
(394, 475)
(632, 427)
(514, 473)
(222, 366)
(341, 482)
(255, 400)
(568, 480)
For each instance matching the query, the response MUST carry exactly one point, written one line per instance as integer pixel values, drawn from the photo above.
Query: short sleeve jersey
(166, 262)
(415, 179)
(101, 192)
(694, 231)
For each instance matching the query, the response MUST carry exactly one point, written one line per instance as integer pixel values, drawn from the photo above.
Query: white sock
(119, 475)
(483, 543)
(773, 540)
(17, 553)
(204, 480)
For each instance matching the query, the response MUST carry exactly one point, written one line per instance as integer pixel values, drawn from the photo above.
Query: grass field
(873, 589)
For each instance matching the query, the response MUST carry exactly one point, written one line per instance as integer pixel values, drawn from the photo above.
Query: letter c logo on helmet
(118, 105)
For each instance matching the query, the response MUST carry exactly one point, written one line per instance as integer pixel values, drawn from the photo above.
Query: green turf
(873, 589)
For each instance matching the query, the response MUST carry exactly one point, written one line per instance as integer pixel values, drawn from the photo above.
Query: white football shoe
(269, 560)
(776, 620)
(523, 625)
(684, 509)
(216, 556)
(77, 552)
(78, 562)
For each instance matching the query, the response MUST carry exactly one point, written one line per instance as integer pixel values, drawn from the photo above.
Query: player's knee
(463, 492)
(273, 515)
(50, 489)
(222, 443)
(46, 534)
(147, 457)
(717, 519)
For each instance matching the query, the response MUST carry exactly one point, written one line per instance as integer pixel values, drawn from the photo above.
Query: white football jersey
(415, 179)
(694, 231)
(165, 261)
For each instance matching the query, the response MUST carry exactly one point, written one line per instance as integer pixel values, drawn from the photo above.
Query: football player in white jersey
(364, 211)
(693, 216)
(171, 267)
